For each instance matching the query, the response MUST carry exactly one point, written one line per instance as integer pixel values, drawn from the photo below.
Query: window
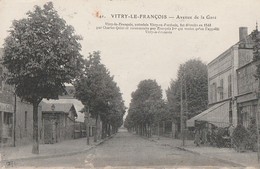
(229, 86)
(210, 94)
(8, 118)
(230, 116)
(213, 92)
(245, 119)
(221, 93)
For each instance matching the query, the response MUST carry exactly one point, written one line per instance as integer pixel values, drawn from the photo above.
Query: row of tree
(97, 90)
(42, 54)
(147, 108)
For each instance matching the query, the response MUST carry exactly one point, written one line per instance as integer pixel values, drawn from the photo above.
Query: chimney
(242, 33)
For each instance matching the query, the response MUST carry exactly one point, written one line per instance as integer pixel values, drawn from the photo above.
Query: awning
(218, 115)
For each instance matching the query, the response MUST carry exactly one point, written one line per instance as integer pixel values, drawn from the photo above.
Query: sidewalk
(64, 148)
(167, 141)
(245, 159)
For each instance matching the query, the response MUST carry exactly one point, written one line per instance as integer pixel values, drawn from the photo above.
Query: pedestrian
(230, 133)
(197, 137)
(204, 135)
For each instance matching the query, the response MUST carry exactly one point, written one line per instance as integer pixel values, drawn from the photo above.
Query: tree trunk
(158, 130)
(173, 129)
(143, 129)
(103, 131)
(150, 131)
(163, 132)
(95, 133)
(146, 130)
(109, 132)
(87, 126)
(35, 148)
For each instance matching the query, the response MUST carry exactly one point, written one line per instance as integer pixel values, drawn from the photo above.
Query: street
(127, 150)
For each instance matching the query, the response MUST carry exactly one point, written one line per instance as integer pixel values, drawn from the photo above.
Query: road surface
(127, 150)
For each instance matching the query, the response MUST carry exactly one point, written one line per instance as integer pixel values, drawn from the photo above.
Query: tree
(256, 50)
(41, 53)
(97, 90)
(113, 116)
(146, 104)
(173, 100)
(192, 76)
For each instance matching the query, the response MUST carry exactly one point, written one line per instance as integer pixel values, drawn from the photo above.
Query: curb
(11, 161)
(217, 158)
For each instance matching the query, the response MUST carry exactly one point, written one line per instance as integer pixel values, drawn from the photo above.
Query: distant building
(231, 86)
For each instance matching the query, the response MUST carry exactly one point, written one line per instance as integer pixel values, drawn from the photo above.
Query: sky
(133, 55)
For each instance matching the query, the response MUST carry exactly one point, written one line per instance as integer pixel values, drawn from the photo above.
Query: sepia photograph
(130, 84)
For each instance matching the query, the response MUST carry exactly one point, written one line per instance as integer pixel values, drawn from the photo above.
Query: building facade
(231, 86)
(58, 122)
(81, 119)
(247, 83)
(222, 87)
(16, 116)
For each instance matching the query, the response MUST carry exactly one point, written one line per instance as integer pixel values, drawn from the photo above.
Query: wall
(247, 87)
(65, 127)
(24, 123)
(245, 73)
(219, 69)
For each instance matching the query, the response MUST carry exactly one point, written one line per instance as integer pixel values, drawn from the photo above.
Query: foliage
(252, 129)
(256, 49)
(97, 90)
(173, 99)
(90, 88)
(147, 105)
(240, 137)
(192, 81)
(41, 53)
(222, 137)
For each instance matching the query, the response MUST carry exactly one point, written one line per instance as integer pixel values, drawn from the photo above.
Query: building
(80, 120)
(231, 86)
(246, 82)
(58, 122)
(16, 116)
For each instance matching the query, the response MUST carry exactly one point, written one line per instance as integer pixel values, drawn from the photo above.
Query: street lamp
(182, 112)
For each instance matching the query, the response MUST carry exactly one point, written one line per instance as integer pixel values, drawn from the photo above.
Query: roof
(218, 115)
(57, 107)
(77, 105)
